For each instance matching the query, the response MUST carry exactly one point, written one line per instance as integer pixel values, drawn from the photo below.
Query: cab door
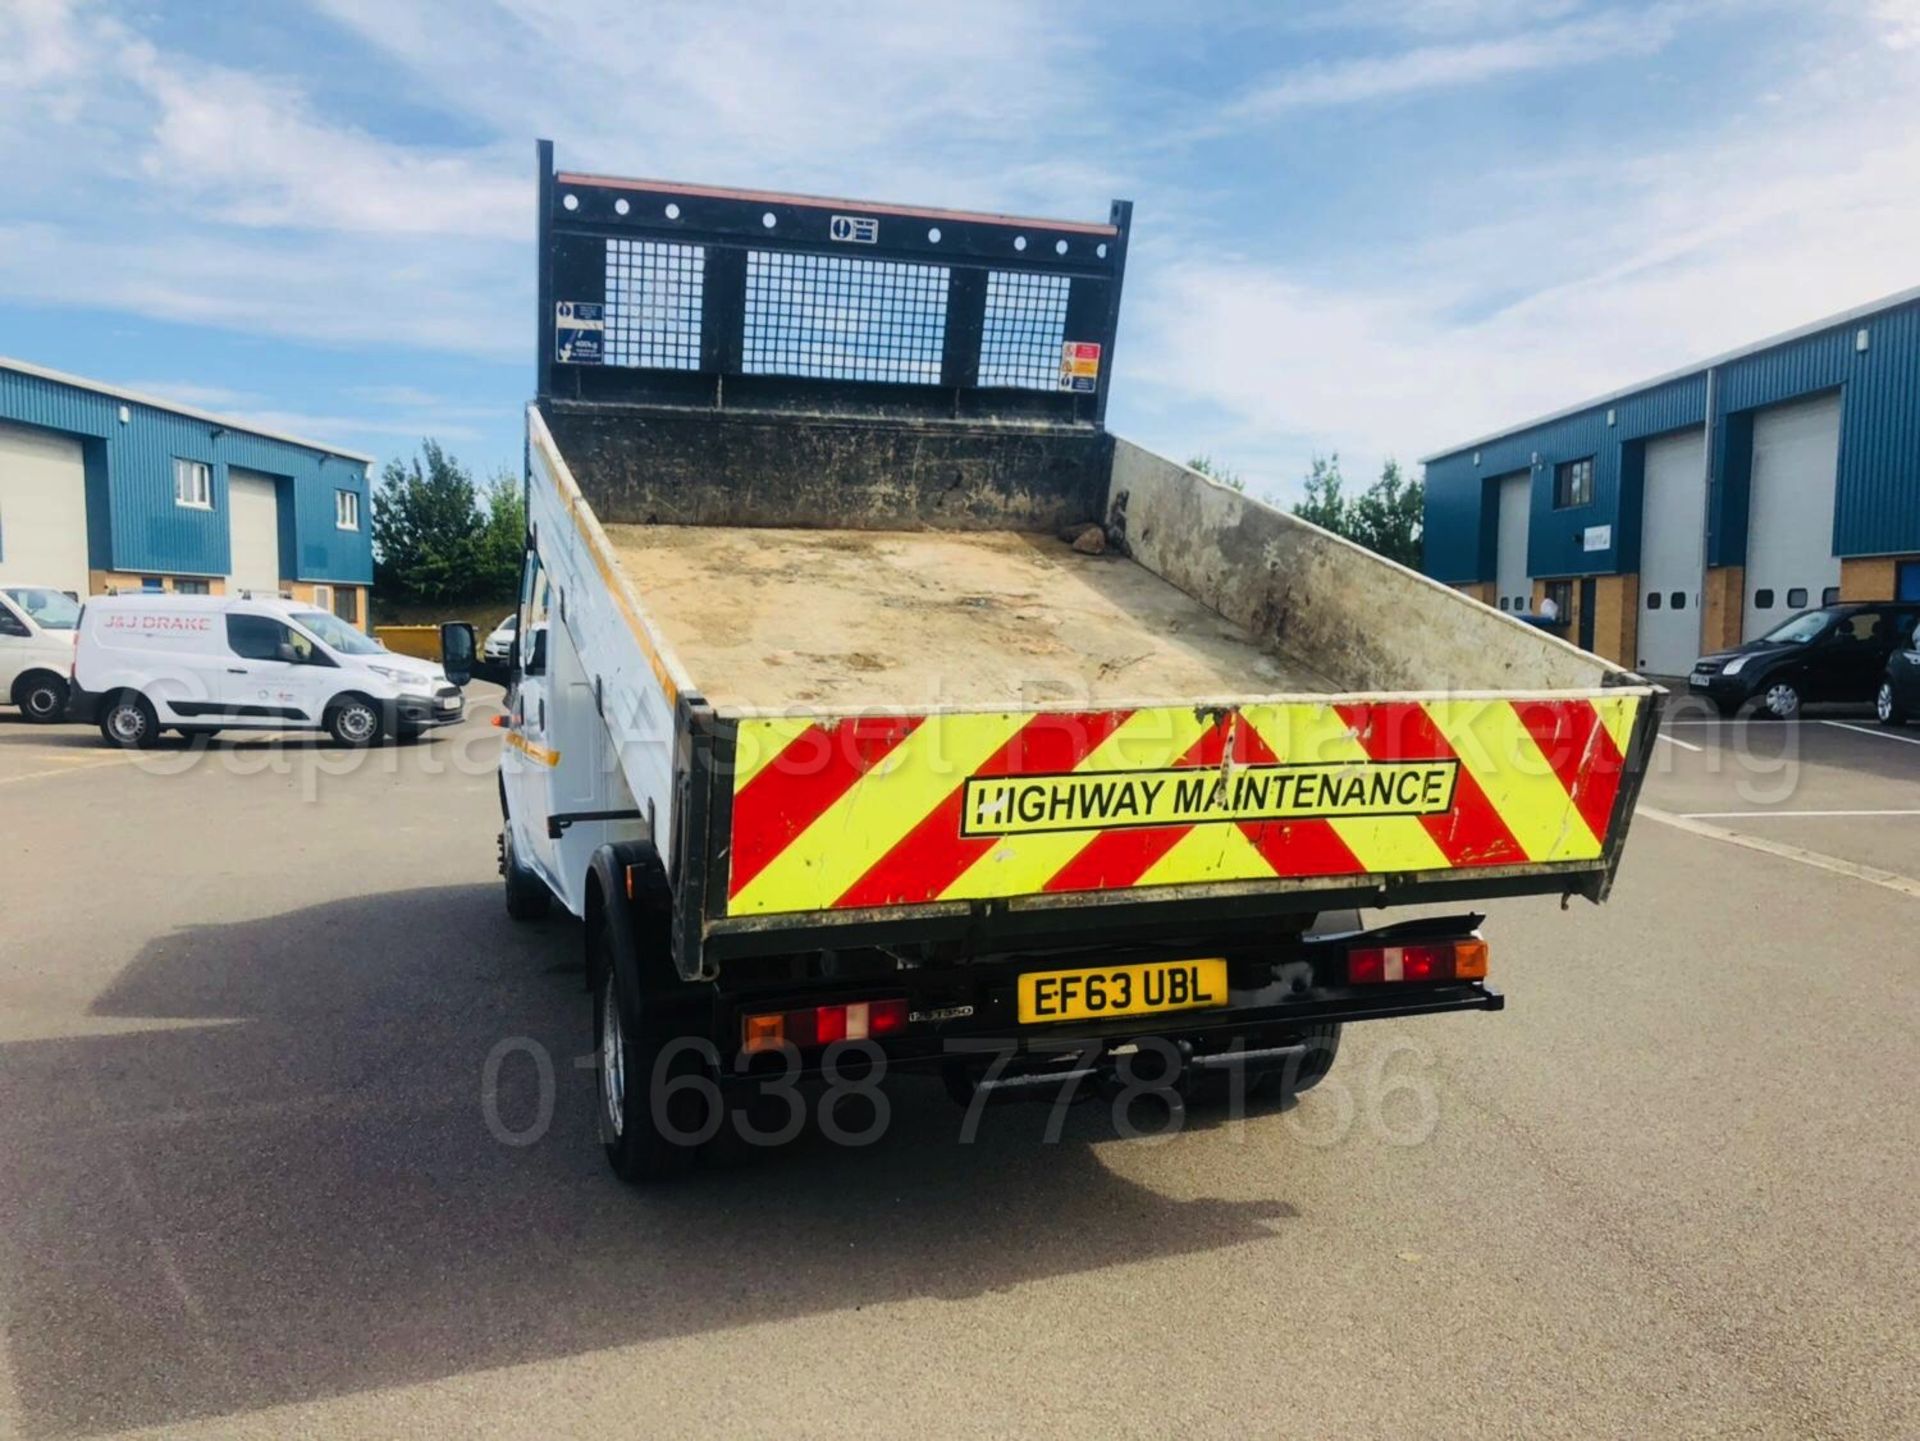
(1855, 656)
(272, 674)
(529, 756)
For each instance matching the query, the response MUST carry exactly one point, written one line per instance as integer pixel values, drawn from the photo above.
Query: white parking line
(1884, 735)
(1769, 815)
(1684, 745)
(1872, 875)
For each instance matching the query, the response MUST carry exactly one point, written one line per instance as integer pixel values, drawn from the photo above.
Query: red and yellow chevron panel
(902, 810)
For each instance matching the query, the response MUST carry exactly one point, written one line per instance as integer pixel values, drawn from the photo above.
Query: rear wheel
(1292, 1077)
(128, 722)
(1322, 1044)
(1886, 706)
(353, 721)
(634, 1118)
(42, 697)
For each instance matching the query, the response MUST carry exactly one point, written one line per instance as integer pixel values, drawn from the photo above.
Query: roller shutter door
(1672, 558)
(254, 525)
(1790, 559)
(1510, 544)
(43, 509)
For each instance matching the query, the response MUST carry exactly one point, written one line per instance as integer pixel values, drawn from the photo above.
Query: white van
(198, 664)
(36, 649)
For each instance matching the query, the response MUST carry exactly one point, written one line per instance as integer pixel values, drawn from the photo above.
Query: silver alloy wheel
(128, 723)
(1783, 701)
(613, 1061)
(1883, 701)
(358, 723)
(42, 703)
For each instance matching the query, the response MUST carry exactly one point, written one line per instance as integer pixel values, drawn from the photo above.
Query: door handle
(236, 670)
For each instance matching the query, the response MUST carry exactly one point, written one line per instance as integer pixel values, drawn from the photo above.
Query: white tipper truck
(869, 698)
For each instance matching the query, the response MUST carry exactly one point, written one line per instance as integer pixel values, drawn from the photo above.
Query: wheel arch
(22, 682)
(627, 892)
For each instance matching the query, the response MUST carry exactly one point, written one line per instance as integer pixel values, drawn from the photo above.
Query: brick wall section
(1723, 592)
(1870, 577)
(99, 582)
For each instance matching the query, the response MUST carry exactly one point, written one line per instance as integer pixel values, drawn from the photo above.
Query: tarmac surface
(293, 1140)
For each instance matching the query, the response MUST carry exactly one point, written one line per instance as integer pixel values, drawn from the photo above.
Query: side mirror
(457, 651)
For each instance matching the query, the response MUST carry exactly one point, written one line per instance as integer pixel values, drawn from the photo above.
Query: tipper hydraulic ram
(867, 690)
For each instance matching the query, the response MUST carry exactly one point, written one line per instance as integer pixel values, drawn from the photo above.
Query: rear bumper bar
(969, 1013)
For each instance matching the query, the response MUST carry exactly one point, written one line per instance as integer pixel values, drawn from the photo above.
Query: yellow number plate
(1140, 990)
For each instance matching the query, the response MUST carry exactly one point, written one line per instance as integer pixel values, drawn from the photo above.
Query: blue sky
(1374, 227)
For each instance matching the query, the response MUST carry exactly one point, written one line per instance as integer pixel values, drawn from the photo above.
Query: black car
(1836, 653)
(1899, 699)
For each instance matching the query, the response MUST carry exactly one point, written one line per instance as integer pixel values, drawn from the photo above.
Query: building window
(323, 597)
(1572, 483)
(346, 510)
(1560, 592)
(346, 604)
(193, 484)
(191, 587)
(152, 585)
(1797, 598)
(1763, 600)
(1653, 600)
(1679, 600)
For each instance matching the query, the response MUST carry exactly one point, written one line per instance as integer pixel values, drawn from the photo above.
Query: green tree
(1324, 503)
(1213, 470)
(431, 541)
(503, 536)
(1385, 517)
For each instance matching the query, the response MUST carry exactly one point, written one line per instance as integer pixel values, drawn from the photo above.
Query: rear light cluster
(1433, 961)
(822, 1025)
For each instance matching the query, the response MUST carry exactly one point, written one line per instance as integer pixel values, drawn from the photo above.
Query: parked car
(1835, 653)
(499, 646)
(36, 649)
(197, 664)
(1898, 700)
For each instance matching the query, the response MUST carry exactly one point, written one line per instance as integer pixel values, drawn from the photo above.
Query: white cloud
(1429, 68)
(1681, 255)
(1899, 22)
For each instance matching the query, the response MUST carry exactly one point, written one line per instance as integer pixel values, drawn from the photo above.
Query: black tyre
(354, 721)
(1887, 707)
(128, 721)
(42, 697)
(528, 898)
(1294, 1078)
(633, 1119)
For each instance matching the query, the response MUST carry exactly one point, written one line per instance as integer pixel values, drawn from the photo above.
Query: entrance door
(1672, 558)
(1510, 544)
(1589, 591)
(1790, 559)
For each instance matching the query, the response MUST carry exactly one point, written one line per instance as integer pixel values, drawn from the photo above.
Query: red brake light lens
(1432, 961)
(823, 1025)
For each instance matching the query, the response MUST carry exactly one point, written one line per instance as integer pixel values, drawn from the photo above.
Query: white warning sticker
(854, 229)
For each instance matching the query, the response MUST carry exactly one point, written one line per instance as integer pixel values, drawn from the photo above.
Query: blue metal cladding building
(1706, 505)
(102, 488)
